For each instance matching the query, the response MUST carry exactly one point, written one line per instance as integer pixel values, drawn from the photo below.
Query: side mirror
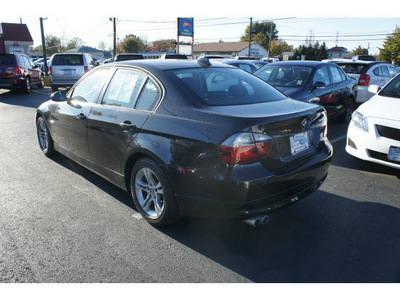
(57, 96)
(374, 88)
(317, 85)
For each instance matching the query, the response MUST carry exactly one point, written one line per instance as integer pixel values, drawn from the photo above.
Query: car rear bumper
(216, 195)
(11, 83)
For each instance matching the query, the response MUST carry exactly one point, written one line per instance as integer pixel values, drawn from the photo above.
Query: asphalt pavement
(61, 223)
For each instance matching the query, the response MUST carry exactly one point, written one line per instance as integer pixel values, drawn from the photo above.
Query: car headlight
(360, 121)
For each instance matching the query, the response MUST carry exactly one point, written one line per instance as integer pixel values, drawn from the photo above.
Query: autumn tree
(74, 43)
(391, 48)
(280, 46)
(131, 44)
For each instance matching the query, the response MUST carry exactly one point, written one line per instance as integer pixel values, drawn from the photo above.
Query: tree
(74, 43)
(359, 51)
(312, 52)
(391, 48)
(163, 45)
(131, 44)
(280, 46)
(262, 32)
(53, 44)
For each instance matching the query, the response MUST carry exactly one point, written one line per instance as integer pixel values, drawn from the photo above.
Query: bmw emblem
(304, 123)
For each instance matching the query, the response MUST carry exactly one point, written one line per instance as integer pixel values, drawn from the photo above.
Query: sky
(342, 23)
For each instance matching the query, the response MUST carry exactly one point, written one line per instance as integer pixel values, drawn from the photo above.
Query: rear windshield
(351, 68)
(224, 86)
(6, 59)
(289, 76)
(128, 57)
(67, 60)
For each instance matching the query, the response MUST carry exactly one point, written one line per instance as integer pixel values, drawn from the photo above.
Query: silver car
(67, 68)
(367, 73)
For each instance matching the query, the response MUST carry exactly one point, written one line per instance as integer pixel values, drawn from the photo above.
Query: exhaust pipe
(256, 221)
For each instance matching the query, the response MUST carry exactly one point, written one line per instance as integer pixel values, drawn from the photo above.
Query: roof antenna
(203, 61)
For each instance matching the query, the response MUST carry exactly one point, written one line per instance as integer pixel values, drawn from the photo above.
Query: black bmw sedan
(189, 138)
(314, 82)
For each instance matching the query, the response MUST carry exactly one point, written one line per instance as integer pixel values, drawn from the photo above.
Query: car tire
(41, 82)
(348, 111)
(27, 87)
(45, 141)
(54, 88)
(152, 193)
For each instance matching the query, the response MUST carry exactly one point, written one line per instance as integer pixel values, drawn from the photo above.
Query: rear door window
(336, 77)
(322, 75)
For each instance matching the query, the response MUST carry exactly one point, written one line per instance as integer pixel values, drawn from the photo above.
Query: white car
(374, 131)
(367, 73)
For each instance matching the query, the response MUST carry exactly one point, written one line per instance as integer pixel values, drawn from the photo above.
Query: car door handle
(127, 125)
(81, 116)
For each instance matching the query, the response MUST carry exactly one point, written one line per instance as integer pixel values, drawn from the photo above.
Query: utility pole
(44, 47)
(115, 36)
(251, 29)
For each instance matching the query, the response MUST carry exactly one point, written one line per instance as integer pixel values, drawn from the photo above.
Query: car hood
(381, 107)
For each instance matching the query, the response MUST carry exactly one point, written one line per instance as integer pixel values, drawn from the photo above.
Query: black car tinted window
(336, 77)
(288, 76)
(68, 60)
(225, 86)
(7, 59)
(124, 88)
(89, 88)
(322, 75)
(148, 96)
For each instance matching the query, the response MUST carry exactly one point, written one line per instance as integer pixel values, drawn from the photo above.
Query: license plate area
(67, 72)
(299, 143)
(394, 153)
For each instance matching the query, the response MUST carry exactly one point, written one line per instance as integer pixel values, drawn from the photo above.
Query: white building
(230, 50)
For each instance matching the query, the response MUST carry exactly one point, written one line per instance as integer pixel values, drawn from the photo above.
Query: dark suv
(17, 71)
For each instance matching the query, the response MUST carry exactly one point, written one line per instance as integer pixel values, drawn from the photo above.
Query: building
(338, 52)
(230, 50)
(15, 38)
(95, 53)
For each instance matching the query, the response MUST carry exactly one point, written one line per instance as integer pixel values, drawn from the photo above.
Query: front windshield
(224, 86)
(392, 89)
(285, 76)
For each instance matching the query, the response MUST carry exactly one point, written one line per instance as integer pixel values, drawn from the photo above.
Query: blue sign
(185, 26)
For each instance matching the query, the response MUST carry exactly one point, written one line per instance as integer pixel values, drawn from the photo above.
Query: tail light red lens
(49, 71)
(364, 80)
(244, 148)
(86, 69)
(17, 71)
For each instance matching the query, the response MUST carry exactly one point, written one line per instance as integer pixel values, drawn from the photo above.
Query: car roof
(167, 64)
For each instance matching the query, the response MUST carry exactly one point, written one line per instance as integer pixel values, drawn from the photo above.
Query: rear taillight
(244, 148)
(364, 80)
(49, 71)
(17, 71)
(86, 69)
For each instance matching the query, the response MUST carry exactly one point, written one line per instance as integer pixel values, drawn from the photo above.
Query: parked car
(367, 73)
(374, 131)
(17, 71)
(173, 56)
(316, 82)
(241, 64)
(66, 68)
(260, 63)
(363, 57)
(190, 138)
(128, 56)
